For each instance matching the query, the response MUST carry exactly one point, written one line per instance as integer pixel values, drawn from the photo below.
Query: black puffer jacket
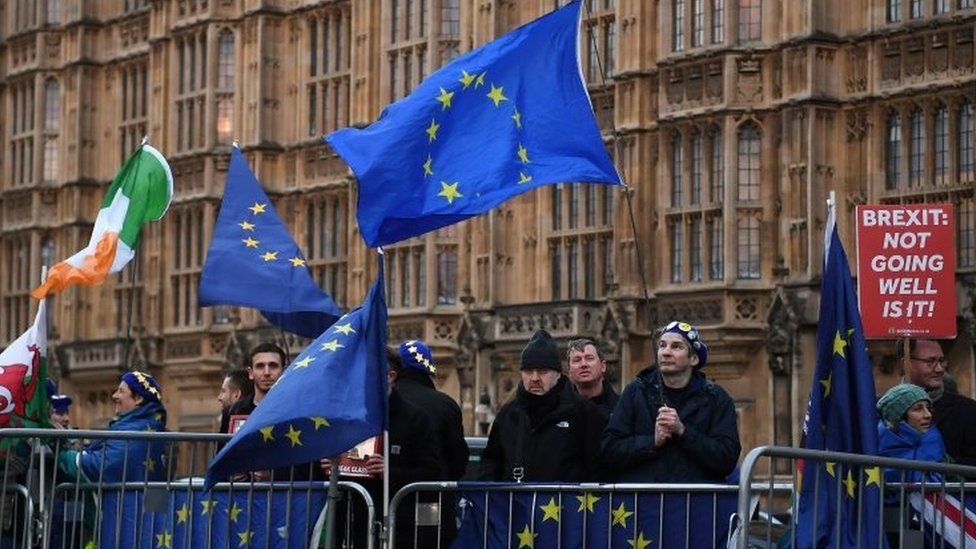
(955, 416)
(559, 435)
(708, 450)
(444, 414)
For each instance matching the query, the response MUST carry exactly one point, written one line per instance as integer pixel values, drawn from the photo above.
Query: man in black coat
(548, 433)
(587, 369)
(953, 414)
(671, 424)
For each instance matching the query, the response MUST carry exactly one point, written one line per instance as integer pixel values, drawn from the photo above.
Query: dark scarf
(538, 407)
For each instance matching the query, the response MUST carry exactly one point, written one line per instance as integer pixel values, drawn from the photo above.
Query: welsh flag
(23, 370)
(141, 192)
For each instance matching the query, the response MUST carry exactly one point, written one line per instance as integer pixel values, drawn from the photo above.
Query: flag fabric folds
(254, 262)
(23, 371)
(594, 519)
(840, 506)
(141, 192)
(332, 397)
(500, 120)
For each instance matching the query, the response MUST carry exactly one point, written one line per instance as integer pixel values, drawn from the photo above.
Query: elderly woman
(138, 407)
(671, 424)
(905, 430)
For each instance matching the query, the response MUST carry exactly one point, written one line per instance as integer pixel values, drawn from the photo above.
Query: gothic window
(188, 254)
(21, 128)
(555, 272)
(325, 250)
(892, 151)
(677, 166)
(410, 19)
(572, 269)
(128, 292)
(394, 21)
(450, 17)
(17, 282)
(696, 168)
(717, 183)
(394, 77)
(327, 87)
(965, 142)
(966, 224)
(191, 91)
(607, 211)
(589, 269)
(718, 21)
(750, 20)
(716, 242)
(423, 18)
(134, 105)
(225, 61)
(609, 47)
(695, 249)
(916, 152)
(893, 11)
(53, 13)
(557, 210)
(420, 267)
(52, 123)
(941, 6)
(698, 23)
(593, 59)
(749, 163)
(677, 249)
(447, 275)
(747, 228)
(915, 9)
(678, 29)
(941, 145)
(965, 4)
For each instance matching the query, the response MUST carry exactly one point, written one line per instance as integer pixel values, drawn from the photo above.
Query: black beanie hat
(541, 352)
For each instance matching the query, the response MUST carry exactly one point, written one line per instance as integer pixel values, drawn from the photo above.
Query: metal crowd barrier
(909, 514)
(622, 505)
(161, 504)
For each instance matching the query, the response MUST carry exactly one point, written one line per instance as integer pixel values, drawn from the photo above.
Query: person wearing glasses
(953, 414)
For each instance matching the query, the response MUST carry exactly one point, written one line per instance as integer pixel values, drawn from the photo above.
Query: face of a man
(585, 366)
(927, 365)
(264, 371)
(539, 381)
(674, 356)
(228, 394)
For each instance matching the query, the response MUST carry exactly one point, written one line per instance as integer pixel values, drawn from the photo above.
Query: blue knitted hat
(415, 355)
(143, 385)
(60, 403)
(691, 335)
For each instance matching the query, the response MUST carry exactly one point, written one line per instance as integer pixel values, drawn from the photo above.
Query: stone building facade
(731, 121)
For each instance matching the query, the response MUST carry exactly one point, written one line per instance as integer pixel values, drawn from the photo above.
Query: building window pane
(446, 276)
(717, 249)
(965, 142)
(894, 11)
(421, 270)
(394, 20)
(695, 250)
(967, 232)
(696, 168)
(555, 272)
(450, 17)
(607, 212)
(591, 205)
(916, 9)
(892, 152)
(698, 23)
(748, 238)
(557, 207)
(916, 154)
(312, 103)
(52, 106)
(574, 198)
(572, 270)
(718, 168)
(676, 250)
(394, 82)
(405, 277)
(409, 9)
(750, 20)
(942, 145)
(749, 164)
(718, 21)
(593, 59)
(677, 166)
(589, 269)
(51, 160)
(225, 61)
(678, 29)
(941, 6)
(225, 120)
(609, 48)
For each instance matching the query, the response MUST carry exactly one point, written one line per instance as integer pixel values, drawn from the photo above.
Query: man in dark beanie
(547, 433)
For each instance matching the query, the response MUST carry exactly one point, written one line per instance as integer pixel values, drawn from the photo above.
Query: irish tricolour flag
(23, 370)
(141, 192)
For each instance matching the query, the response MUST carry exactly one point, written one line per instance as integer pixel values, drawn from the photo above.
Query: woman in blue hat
(138, 407)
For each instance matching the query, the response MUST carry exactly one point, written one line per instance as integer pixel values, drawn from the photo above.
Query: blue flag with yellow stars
(500, 120)
(254, 262)
(594, 518)
(332, 397)
(839, 505)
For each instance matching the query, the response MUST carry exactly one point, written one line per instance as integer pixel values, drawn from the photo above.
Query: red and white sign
(906, 265)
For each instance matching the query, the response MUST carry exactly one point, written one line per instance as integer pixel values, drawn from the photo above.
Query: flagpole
(384, 533)
(333, 500)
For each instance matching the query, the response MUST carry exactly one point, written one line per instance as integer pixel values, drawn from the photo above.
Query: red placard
(906, 270)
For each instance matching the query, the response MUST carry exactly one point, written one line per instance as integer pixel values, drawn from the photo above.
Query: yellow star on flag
(526, 538)
(294, 435)
(150, 464)
(182, 513)
(303, 363)
(250, 242)
(445, 99)
(246, 226)
(550, 510)
(234, 512)
(517, 117)
(245, 538)
(830, 468)
(620, 515)
(640, 542)
(586, 501)
(850, 483)
(432, 131)
(480, 81)
(319, 421)
(839, 344)
(333, 345)
(297, 262)
(874, 476)
(164, 540)
(258, 208)
(497, 94)
(449, 191)
(524, 178)
(266, 433)
(523, 154)
(345, 329)
(208, 505)
(466, 79)
(269, 256)
(427, 166)
(827, 384)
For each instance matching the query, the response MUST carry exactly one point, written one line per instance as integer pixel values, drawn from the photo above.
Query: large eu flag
(332, 397)
(254, 262)
(500, 120)
(839, 504)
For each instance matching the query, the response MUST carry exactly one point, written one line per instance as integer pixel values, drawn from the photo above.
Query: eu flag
(840, 506)
(254, 262)
(332, 397)
(500, 120)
